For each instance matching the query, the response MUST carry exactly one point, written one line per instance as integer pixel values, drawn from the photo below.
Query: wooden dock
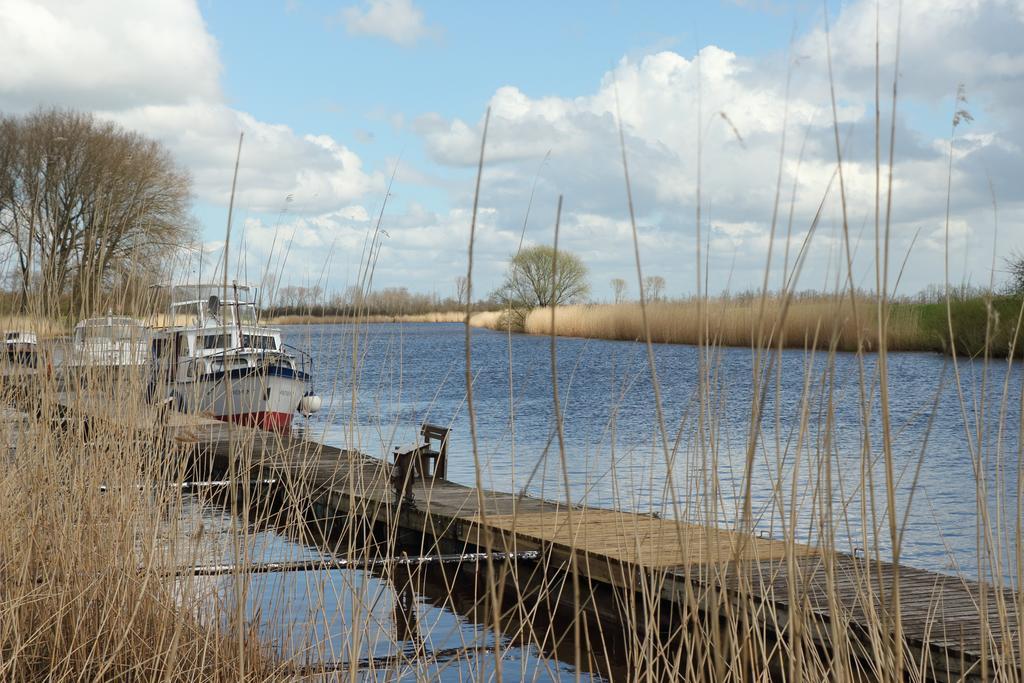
(688, 566)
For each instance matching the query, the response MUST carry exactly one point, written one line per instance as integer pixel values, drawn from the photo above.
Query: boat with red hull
(215, 359)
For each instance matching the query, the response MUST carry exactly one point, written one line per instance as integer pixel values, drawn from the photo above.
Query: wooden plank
(628, 537)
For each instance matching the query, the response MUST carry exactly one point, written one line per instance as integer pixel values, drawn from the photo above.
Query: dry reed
(81, 595)
(43, 327)
(730, 322)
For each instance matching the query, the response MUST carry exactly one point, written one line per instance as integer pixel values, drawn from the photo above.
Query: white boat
(216, 359)
(109, 342)
(21, 346)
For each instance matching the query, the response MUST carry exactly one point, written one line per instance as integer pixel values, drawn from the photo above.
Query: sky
(731, 103)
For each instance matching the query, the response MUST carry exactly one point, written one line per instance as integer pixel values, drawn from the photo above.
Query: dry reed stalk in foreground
(75, 604)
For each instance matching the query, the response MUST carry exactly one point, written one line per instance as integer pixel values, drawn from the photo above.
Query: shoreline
(980, 326)
(477, 319)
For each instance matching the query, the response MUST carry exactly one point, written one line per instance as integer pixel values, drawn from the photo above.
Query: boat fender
(309, 404)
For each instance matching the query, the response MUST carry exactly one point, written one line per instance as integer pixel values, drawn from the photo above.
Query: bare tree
(1015, 268)
(619, 289)
(461, 289)
(86, 206)
(654, 287)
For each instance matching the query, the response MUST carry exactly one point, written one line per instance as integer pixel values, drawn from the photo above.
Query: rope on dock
(333, 564)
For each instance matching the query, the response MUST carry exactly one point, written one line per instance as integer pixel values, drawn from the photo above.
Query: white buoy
(309, 404)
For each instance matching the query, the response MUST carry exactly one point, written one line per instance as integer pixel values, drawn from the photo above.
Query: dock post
(402, 473)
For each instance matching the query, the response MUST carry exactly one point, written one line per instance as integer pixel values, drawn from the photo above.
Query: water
(403, 625)
(414, 373)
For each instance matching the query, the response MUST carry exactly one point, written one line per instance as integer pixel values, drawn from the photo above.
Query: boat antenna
(231, 208)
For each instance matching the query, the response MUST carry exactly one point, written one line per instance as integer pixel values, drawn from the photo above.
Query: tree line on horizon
(530, 283)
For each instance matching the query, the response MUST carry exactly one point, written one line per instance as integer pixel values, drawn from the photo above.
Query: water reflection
(432, 622)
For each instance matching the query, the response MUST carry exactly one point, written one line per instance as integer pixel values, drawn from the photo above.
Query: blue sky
(295, 62)
(331, 94)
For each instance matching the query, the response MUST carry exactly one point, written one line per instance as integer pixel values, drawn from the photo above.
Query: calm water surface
(427, 625)
(412, 373)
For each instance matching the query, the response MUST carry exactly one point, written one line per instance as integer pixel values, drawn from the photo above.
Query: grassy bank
(818, 322)
(477, 319)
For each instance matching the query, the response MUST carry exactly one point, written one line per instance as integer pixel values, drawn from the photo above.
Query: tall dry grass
(729, 322)
(100, 520)
(43, 326)
(83, 553)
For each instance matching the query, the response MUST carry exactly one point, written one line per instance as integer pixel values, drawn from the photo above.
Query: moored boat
(111, 342)
(21, 346)
(216, 359)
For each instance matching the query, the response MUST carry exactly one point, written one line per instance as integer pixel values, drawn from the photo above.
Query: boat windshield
(246, 312)
(215, 341)
(211, 304)
(259, 341)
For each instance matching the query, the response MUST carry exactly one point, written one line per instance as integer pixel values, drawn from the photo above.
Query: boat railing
(303, 360)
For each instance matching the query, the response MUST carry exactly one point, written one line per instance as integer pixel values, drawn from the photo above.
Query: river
(615, 451)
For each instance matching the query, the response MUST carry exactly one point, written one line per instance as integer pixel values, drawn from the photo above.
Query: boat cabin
(214, 357)
(211, 330)
(109, 341)
(109, 330)
(20, 338)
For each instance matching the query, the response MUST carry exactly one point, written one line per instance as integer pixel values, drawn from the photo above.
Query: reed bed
(81, 595)
(101, 518)
(820, 323)
(734, 323)
(43, 326)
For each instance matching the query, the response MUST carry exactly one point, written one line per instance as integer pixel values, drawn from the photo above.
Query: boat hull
(270, 421)
(265, 398)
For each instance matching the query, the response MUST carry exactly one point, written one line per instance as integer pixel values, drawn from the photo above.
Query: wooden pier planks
(636, 539)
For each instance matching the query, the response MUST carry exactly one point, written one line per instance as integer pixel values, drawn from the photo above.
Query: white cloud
(119, 53)
(399, 21)
(318, 172)
(416, 246)
(664, 119)
(154, 68)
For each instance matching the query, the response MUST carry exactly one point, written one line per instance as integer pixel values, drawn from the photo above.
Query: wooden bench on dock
(421, 460)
